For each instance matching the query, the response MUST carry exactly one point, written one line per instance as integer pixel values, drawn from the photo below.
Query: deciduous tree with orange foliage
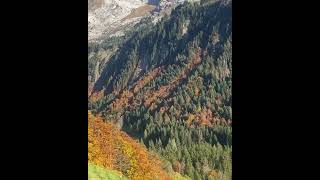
(110, 148)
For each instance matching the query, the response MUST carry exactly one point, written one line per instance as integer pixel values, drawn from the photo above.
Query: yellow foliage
(191, 117)
(113, 149)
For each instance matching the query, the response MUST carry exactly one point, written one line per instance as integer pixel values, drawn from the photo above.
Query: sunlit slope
(98, 173)
(110, 148)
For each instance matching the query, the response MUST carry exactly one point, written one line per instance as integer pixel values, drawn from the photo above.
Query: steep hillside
(113, 149)
(170, 86)
(111, 22)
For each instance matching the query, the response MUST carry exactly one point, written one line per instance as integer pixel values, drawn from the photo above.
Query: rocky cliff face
(95, 4)
(107, 17)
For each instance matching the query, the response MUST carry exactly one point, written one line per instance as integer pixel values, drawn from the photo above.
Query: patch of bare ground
(140, 11)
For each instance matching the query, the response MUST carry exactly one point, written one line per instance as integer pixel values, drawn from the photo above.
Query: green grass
(98, 173)
(177, 176)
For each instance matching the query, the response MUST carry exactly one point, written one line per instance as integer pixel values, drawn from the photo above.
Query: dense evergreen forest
(169, 85)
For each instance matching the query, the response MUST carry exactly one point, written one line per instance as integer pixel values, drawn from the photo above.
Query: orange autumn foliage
(113, 149)
(128, 95)
(207, 118)
(122, 101)
(151, 96)
(128, 99)
(95, 96)
(151, 75)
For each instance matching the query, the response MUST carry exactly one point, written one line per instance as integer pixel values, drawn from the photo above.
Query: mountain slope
(113, 149)
(169, 85)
